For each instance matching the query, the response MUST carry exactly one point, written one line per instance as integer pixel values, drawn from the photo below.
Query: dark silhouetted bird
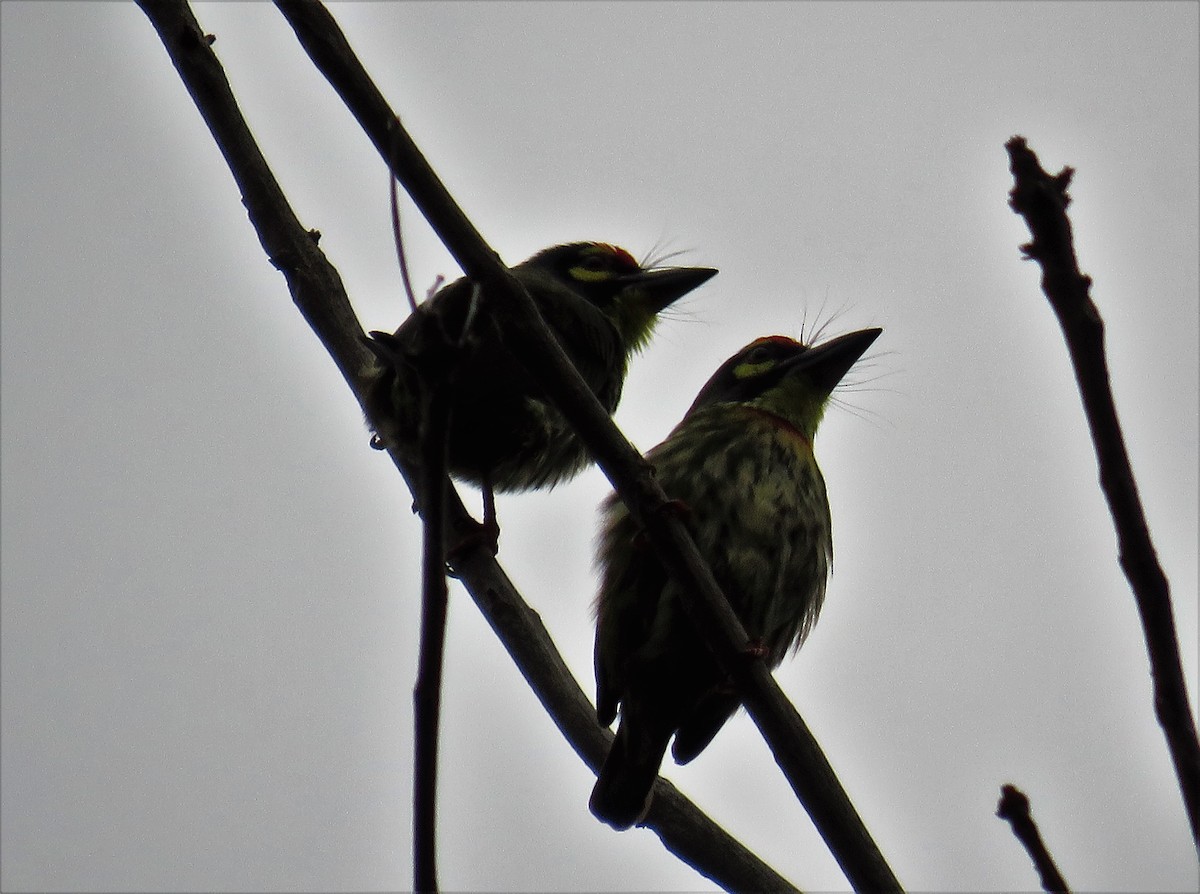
(741, 464)
(504, 433)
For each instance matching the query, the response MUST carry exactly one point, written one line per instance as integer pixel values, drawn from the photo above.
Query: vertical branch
(1042, 200)
(427, 693)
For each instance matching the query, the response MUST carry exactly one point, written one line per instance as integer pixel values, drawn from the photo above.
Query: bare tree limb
(1014, 807)
(1042, 200)
(317, 291)
(795, 750)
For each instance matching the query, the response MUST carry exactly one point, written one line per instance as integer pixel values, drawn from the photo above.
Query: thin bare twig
(1042, 200)
(1014, 807)
(317, 291)
(398, 238)
(795, 750)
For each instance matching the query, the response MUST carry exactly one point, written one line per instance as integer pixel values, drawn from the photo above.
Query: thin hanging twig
(427, 693)
(398, 238)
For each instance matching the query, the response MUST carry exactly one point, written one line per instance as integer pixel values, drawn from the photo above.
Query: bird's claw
(482, 534)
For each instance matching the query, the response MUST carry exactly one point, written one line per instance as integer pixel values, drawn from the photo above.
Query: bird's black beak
(828, 362)
(660, 288)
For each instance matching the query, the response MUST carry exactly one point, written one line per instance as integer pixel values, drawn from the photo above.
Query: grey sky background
(210, 603)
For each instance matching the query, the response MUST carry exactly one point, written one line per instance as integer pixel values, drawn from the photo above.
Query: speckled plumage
(741, 462)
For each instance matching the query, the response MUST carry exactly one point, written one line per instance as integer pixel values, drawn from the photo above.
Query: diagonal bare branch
(317, 290)
(795, 749)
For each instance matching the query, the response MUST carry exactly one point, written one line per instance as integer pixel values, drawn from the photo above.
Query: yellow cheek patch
(582, 274)
(749, 370)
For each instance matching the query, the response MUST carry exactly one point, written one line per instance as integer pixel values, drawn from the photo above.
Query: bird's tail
(624, 787)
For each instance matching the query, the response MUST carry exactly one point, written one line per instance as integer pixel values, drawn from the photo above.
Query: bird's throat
(780, 424)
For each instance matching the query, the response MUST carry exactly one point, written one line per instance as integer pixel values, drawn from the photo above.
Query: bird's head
(785, 378)
(630, 295)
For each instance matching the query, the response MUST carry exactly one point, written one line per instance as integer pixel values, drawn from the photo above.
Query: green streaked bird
(505, 435)
(741, 463)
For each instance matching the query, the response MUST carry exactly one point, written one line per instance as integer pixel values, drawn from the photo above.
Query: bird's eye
(592, 268)
(755, 362)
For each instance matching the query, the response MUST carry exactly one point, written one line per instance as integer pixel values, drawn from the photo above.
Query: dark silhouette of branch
(314, 283)
(1042, 200)
(795, 750)
(427, 693)
(317, 291)
(435, 359)
(1014, 807)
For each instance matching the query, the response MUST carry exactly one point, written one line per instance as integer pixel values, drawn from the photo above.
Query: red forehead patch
(775, 340)
(624, 258)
